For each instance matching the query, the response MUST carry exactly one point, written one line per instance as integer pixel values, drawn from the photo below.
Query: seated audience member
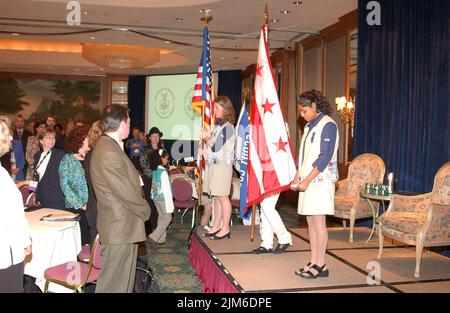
(72, 177)
(15, 241)
(161, 194)
(48, 192)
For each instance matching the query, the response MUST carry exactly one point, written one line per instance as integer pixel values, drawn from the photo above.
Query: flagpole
(206, 19)
(252, 227)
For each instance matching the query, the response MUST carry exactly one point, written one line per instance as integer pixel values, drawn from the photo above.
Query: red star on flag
(259, 69)
(281, 145)
(268, 106)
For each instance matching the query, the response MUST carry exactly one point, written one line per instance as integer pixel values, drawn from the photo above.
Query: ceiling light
(179, 19)
(85, 12)
(167, 41)
(205, 11)
(285, 12)
(222, 58)
(120, 56)
(275, 20)
(15, 34)
(297, 2)
(92, 38)
(101, 69)
(237, 46)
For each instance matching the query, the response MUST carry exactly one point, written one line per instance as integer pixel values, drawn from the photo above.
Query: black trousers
(153, 220)
(11, 279)
(84, 228)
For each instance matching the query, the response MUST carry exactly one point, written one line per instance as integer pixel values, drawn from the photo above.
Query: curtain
(230, 85)
(136, 101)
(402, 102)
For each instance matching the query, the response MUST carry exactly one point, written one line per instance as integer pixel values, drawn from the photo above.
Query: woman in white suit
(15, 241)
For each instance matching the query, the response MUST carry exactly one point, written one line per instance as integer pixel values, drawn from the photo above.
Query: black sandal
(301, 270)
(320, 272)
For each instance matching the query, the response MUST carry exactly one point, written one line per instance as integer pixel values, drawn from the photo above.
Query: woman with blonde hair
(15, 241)
(219, 155)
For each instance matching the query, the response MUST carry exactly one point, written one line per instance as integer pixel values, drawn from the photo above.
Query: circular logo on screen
(164, 103)
(187, 104)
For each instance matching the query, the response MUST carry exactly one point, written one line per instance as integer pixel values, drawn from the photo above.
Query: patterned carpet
(170, 260)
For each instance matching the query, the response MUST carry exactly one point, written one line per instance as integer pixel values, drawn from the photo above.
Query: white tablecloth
(53, 243)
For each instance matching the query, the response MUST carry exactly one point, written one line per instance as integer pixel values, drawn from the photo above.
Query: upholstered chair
(348, 205)
(422, 220)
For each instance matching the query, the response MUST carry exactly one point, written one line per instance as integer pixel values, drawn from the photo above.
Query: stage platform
(229, 266)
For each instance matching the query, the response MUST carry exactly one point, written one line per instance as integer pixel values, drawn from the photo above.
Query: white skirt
(318, 199)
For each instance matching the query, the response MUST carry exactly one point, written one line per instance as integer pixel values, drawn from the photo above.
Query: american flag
(271, 165)
(203, 97)
(203, 89)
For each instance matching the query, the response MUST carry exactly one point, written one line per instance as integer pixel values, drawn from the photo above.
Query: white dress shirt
(14, 230)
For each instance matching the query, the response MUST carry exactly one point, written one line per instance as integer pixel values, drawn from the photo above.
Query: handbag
(145, 281)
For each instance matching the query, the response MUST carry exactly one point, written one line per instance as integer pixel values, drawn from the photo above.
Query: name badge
(33, 185)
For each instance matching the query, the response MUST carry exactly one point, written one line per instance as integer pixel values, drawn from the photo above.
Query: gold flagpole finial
(207, 18)
(266, 15)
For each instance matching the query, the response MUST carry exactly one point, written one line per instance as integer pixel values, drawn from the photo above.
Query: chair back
(365, 168)
(441, 186)
(31, 199)
(25, 193)
(182, 190)
(176, 171)
(96, 257)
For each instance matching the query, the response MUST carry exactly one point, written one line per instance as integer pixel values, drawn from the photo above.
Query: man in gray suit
(121, 209)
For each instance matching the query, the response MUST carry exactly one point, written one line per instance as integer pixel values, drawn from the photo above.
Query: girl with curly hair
(316, 175)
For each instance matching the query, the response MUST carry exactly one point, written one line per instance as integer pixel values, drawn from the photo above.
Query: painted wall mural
(67, 100)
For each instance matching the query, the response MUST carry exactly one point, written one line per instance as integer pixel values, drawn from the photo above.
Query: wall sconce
(347, 110)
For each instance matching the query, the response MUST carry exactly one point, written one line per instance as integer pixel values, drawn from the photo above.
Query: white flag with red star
(271, 166)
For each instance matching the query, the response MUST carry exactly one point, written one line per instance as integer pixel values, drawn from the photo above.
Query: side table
(373, 197)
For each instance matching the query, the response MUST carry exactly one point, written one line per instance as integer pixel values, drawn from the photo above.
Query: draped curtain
(136, 101)
(402, 110)
(230, 85)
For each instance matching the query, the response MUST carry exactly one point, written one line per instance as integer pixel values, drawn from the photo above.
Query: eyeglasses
(50, 137)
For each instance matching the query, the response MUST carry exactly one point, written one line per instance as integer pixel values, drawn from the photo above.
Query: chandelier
(120, 56)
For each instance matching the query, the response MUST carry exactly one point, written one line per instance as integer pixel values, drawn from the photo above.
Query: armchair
(422, 220)
(365, 168)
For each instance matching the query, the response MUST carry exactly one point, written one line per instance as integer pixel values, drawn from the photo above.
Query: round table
(53, 243)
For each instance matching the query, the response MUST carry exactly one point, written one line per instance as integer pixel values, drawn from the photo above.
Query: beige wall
(335, 80)
(312, 69)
